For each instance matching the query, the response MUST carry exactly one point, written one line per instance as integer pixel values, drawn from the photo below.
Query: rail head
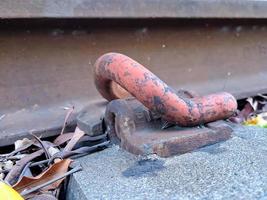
(133, 9)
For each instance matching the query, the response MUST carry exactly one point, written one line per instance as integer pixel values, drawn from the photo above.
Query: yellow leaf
(256, 121)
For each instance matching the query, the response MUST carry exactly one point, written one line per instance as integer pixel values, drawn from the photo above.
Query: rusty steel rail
(157, 95)
(46, 65)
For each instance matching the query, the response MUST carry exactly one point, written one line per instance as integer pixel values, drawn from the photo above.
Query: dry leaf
(61, 139)
(8, 165)
(71, 110)
(256, 121)
(43, 197)
(42, 145)
(249, 114)
(53, 171)
(263, 96)
(253, 103)
(243, 115)
(14, 173)
(22, 143)
(17, 157)
(17, 150)
(76, 137)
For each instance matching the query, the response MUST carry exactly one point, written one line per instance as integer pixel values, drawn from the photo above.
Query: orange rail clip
(157, 95)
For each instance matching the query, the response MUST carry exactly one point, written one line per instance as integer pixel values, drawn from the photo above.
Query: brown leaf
(27, 146)
(17, 150)
(71, 110)
(78, 134)
(42, 145)
(14, 173)
(52, 172)
(23, 142)
(43, 197)
(61, 139)
(243, 114)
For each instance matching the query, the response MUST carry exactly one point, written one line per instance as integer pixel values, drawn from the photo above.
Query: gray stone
(234, 169)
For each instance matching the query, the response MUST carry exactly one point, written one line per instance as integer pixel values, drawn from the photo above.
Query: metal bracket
(140, 132)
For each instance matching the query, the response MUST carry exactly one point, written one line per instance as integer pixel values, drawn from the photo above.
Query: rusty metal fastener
(137, 130)
(157, 95)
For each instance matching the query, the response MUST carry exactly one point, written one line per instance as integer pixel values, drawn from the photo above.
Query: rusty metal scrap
(157, 95)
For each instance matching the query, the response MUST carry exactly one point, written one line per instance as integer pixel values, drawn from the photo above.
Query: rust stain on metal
(138, 131)
(157, 95)
(45, 66)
